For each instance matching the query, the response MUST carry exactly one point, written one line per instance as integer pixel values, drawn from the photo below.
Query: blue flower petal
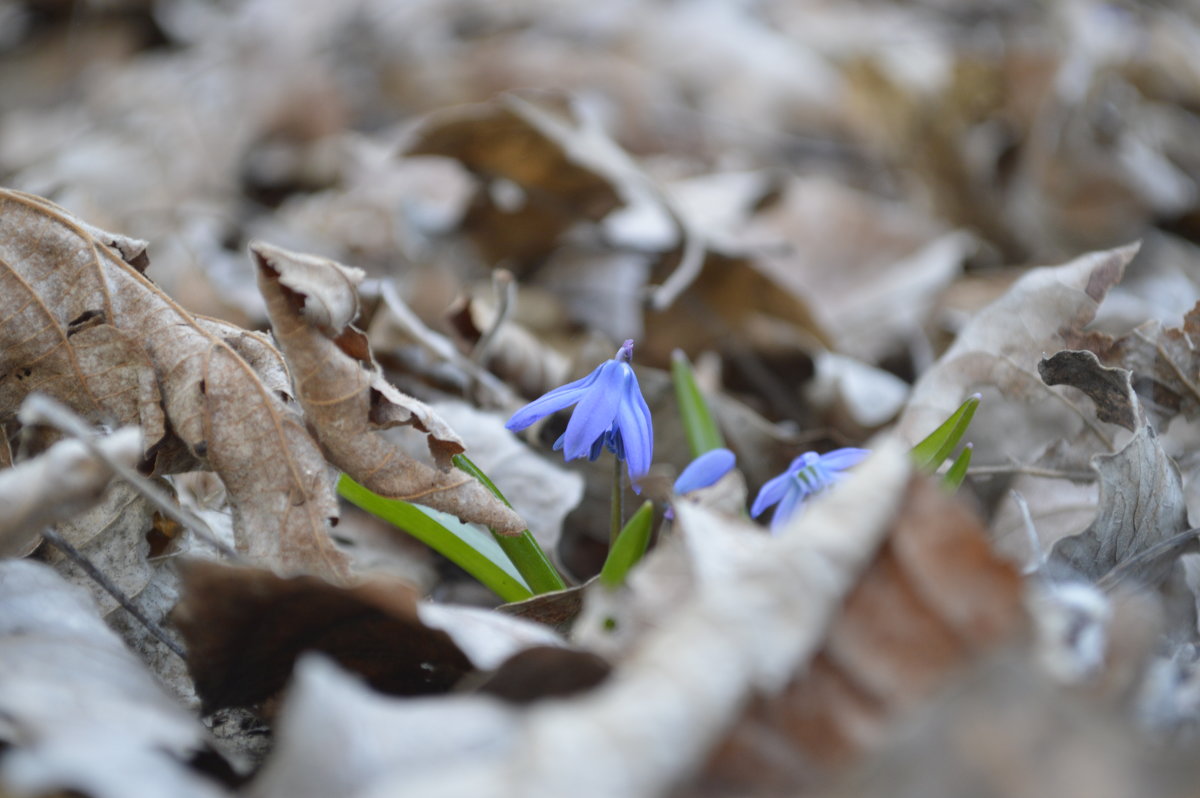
(635, 427)
(596, 411)
(788, 505)
(840, 459)
(552, 402)
(705, 470)
(771, 493)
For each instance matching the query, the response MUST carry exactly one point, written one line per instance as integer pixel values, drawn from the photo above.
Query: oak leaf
(347, 402)
(85, 326)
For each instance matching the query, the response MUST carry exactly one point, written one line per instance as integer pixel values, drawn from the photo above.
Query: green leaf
(698, 424)
(930, 453)
(629, 547)
(523, 549)
(463, 544)
(958, 469)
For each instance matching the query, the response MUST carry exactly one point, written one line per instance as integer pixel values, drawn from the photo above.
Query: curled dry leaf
(347, 402)
(660, 709)
(87, 328)
(55, 485)
(995, 352)
(935, 598)
(1109, 388)
(82, 715)
(1164, 362)
(245, 628)
(1141, 505)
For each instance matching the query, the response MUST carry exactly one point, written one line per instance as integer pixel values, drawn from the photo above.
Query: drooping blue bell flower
(609, 413)
(808, 474)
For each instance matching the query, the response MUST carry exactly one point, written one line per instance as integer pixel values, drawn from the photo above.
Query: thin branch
(77, 557)
(1031, 471)
(506, 294)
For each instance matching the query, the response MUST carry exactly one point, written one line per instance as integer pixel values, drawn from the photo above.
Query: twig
(1031, 471)
(506, 294)
(39, 409)
(75, 556)
(1037, 556)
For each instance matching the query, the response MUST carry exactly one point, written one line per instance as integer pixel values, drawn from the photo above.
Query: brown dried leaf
(1141, 505)
(1109, 388)
(245, 629)
(347, 402)
(997, 351)
(935, 598)
(90, 330)
(1164, 362)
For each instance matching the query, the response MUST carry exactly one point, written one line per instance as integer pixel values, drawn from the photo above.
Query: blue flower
(705, 470)
(610, 412)
(807, 474)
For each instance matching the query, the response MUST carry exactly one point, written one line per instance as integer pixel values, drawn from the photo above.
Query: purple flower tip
(705, 470)
(610, 412)
(808, 474)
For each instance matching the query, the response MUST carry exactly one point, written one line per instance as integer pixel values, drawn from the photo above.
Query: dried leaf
(347, 402)
(245, 629)
(56, 484)
(82, 714)
(105, 341)
(1164, 362)
(1141, 505)
(997, 352)
(934, 600)
(1109, 388)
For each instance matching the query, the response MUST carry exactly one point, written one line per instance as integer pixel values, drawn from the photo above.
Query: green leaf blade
(629, 547)
(701, 429)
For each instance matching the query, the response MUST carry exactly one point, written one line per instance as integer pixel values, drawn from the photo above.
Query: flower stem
(617, 521)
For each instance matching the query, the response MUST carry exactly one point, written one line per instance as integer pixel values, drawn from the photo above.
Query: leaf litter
(835, 223)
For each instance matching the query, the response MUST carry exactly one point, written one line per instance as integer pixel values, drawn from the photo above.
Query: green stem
(432, 534)
(523, 549)
(617, 512)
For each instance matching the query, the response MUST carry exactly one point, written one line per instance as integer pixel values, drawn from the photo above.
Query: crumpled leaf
(347, 402)
(996, 351)
(89, 329)
(81, 714)
(1164, 362)
(935, 598)
(1141, 505)
(245, 629)
(684, 682)
(56, 484)
(1109, 388)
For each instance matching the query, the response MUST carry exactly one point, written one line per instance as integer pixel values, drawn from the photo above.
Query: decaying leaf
(56, 484)
(81, 714)
(684, 683)
(1141, 505)
(312, 303)
(1164, 362)
(245, 629)
(1109, 388)
(90, 330)
(935, 599)
(997, 352)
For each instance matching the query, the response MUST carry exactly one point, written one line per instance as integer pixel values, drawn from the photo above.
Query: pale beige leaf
(997, 353)
(754, 623)
(55, 485)
(145, 354)
(80, 711)
(347, 401)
